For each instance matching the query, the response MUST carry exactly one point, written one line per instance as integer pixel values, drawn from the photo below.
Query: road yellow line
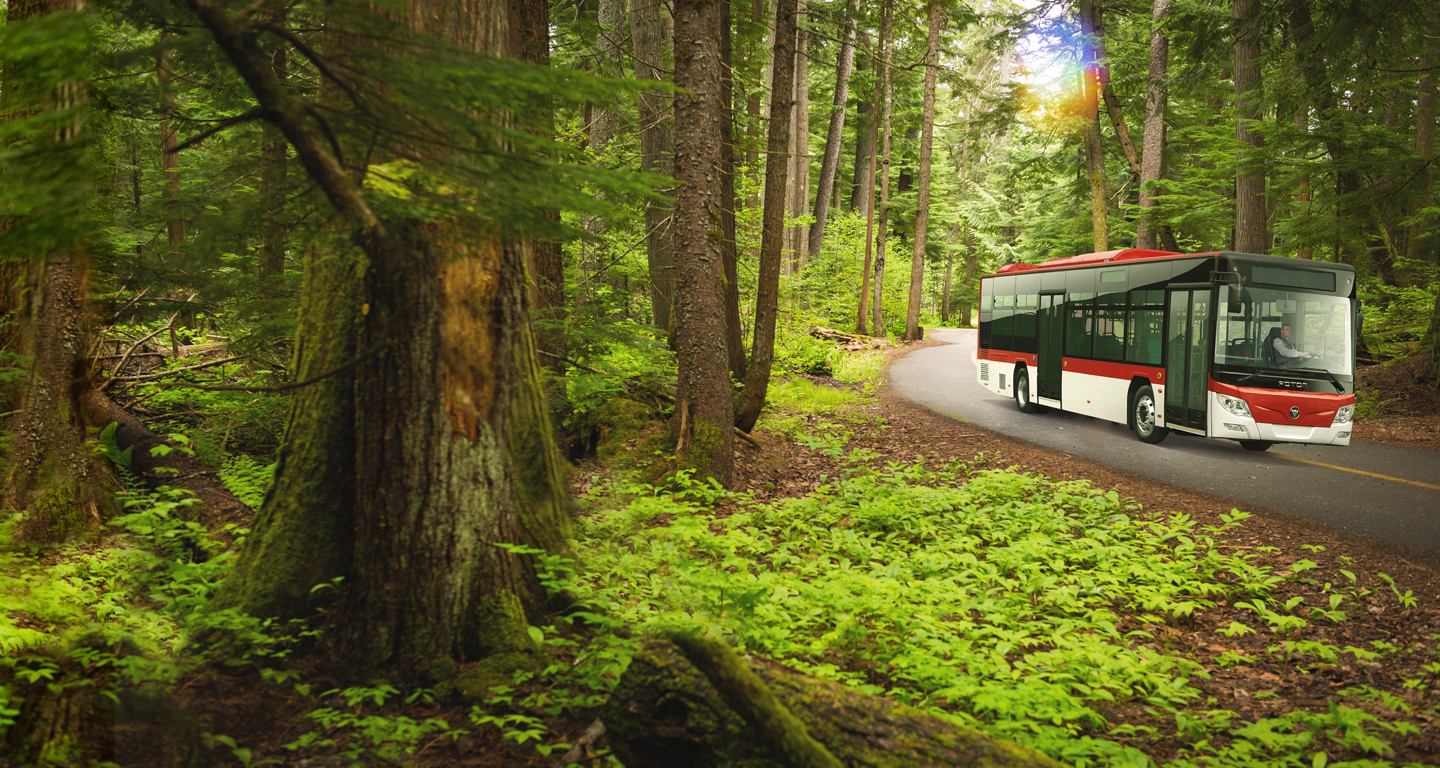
(1357, 471)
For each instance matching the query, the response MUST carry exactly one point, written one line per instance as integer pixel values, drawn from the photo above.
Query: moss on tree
(666, 712)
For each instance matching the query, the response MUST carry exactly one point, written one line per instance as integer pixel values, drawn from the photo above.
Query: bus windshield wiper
(1333, 381)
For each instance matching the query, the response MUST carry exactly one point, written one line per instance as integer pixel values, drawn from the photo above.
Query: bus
(1240, 346)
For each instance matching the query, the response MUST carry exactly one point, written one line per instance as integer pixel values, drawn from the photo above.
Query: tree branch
(253, 114)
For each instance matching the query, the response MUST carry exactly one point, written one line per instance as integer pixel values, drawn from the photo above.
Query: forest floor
(262, 717)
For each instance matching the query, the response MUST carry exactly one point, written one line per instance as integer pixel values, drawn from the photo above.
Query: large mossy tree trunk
(450, 459)
(666, 712)
(703, 422)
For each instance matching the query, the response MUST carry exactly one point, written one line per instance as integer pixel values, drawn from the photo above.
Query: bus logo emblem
(1294, 411)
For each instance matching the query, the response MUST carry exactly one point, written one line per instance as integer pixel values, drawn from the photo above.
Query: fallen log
(666, 712)
(850, 341)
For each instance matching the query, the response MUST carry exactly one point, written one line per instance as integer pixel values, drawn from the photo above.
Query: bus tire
(1142, 416)
(1256, 445)
(1022, 394)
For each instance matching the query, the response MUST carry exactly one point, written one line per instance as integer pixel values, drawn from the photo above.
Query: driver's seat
(1271, 356)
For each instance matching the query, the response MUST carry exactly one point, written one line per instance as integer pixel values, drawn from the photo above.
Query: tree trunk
(451, 451)
(610, 40)
(913, 332)
(1430, 373)
(752, 109)
(864, 155)
(1112, 102)
(972, 265)
(656, 156)
(1419, 243)
(170, 156)
(1322, 95)
(797, 241)
(1156, 96)
(945, 291)
(1250, 225)
(835, 137)
(273, 167)
(877, 306)
(1094, 149)
(772, 224)
(59, 484)
(666, 711)
(734, 343)
(862, 319)
(529, 40)
(704, 412)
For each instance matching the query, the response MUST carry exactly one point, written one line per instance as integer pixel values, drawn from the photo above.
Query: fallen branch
(173, 371)
(582, 749)
(280, 387)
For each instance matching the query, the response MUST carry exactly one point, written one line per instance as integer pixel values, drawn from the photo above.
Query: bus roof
(1146, 254)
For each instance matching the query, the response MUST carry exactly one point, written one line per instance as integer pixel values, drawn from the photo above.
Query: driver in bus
(1285, 352)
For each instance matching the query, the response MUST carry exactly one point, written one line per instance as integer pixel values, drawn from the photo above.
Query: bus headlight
(1343, 415)
(1234, 405)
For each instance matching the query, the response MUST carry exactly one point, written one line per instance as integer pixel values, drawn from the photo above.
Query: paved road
(1376, 490)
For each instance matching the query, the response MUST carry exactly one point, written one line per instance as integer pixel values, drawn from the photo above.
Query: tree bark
(772, 224)
(862, 319)
(800, 151)
(864, 155)
(913, 331)
(529, 40)
(656, 156)
(704, 417)
(273, 168)
(1419, 243)
(1250, 225)
(1094, 148)
(734, 343)
(835, 137)
(972, 265)
(945, 291)
(170, 155)
(610, 40)
(1156, 96)
(877, 306)
(452, 451)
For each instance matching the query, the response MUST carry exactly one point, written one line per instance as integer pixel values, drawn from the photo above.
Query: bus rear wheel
(1256, 445)
(1022, 394)
(1142, 416)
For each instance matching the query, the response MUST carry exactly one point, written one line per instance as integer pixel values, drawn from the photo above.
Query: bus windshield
(1283, 329)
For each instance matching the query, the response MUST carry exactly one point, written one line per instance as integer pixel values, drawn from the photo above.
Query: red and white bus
(1259, 349)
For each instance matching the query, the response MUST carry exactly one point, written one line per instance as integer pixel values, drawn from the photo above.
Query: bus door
(1050, 327)
(1187, 356)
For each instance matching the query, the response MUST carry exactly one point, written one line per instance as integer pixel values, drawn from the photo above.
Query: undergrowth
(993, 598)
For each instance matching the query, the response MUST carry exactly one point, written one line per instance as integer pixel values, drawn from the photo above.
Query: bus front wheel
(1256, 445)
(1142, 415)
(1022, 394)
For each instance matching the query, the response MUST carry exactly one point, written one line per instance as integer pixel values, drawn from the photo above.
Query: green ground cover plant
(1029, 608)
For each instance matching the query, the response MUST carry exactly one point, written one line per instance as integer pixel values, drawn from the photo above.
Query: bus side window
(1079, 324)
(1144, 327)
(1110, 326)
